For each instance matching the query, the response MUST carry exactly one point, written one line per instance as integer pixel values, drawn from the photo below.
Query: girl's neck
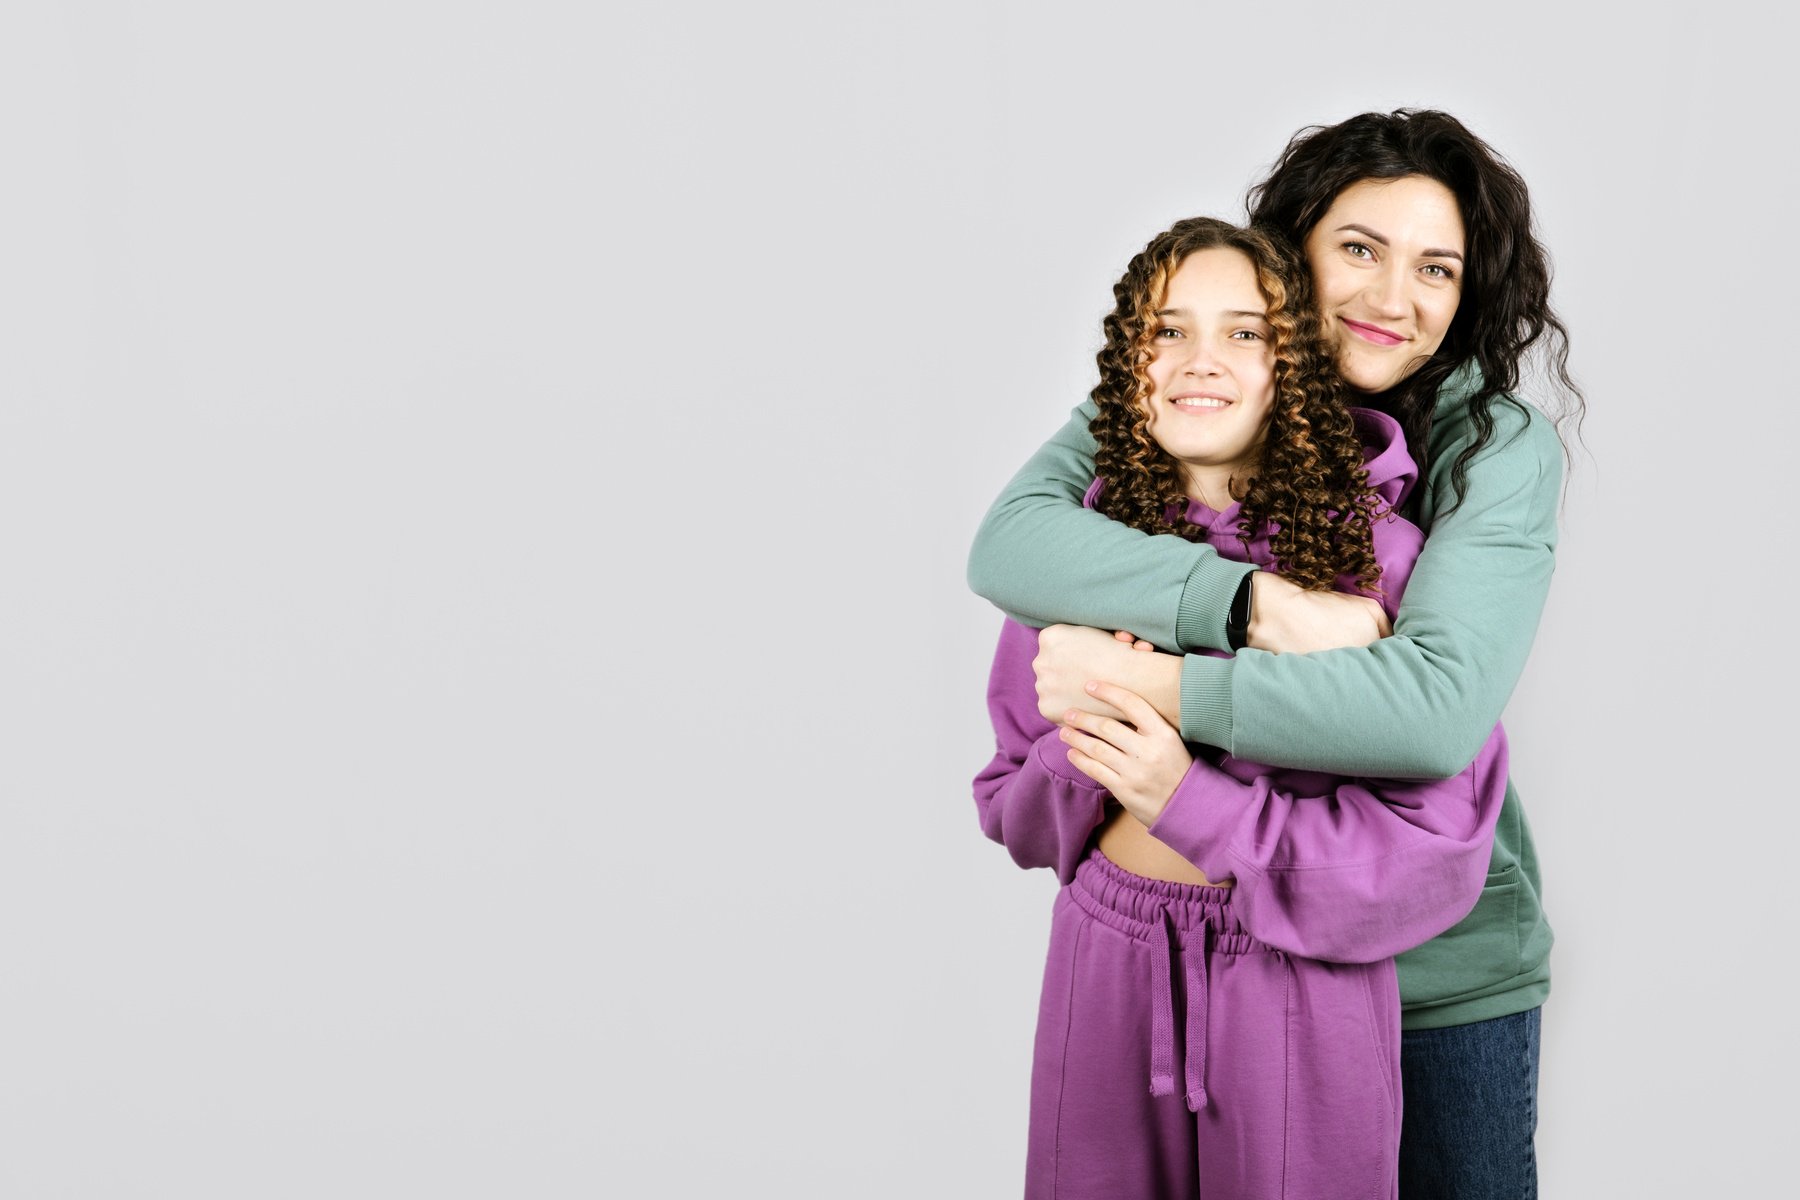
(1213, 486)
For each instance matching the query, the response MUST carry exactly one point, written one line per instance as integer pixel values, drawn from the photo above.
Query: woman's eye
(1438, 271)
(1358, 250)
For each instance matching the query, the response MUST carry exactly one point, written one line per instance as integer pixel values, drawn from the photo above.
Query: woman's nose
(1385, 294)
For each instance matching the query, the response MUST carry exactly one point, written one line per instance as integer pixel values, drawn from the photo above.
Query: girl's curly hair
(1309, 485)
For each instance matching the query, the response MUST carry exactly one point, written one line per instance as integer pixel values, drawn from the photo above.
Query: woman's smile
(1372, 333)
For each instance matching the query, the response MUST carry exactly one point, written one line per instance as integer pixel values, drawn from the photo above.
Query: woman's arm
(1460, 639)
(1038, 555)
(1029, 798)
(1042, 557)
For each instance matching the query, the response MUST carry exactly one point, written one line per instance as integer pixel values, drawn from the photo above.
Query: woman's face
(1212, 369)
(1387, 264)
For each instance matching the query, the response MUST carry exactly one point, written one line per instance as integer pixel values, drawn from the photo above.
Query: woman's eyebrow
(1377, 238)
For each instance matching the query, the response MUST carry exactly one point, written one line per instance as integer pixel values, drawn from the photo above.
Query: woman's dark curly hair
(1505, 308)
(1309, 483)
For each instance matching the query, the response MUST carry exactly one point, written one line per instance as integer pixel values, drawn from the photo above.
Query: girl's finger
(1093, 747)
(1106, 729)
(1137, 710)
(1094, 769)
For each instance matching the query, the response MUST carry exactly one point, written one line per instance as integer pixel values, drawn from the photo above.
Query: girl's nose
(1204, 358)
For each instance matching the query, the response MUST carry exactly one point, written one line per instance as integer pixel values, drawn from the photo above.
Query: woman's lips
(1374, 334)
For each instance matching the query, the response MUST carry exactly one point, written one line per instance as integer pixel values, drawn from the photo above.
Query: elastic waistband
(1145, 908)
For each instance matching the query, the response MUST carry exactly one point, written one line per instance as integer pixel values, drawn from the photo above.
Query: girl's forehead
(1216, 279)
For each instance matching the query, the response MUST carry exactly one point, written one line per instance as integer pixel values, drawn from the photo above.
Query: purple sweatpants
(1177, 1056)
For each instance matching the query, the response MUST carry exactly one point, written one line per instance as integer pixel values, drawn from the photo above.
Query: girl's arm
(1460, 639)
(1352, 870)
(1346, 870)
(1029, 798)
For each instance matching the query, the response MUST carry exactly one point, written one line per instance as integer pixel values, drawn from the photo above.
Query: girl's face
(1212, 370)
(1387, 265)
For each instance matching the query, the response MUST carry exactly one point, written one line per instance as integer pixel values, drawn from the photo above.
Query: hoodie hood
(1392, 472)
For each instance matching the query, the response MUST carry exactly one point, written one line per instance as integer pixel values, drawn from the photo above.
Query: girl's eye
(1248, 335)
(1166, 334)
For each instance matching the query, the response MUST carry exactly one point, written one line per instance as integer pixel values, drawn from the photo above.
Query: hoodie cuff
(1206, 602)
(1052, 754)
(1197, 821)
(1206, 700)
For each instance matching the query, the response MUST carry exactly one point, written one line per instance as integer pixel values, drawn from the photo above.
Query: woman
(1429, 277)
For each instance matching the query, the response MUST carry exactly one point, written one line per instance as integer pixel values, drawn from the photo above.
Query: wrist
(1237, 619)
(1157, 678)
(1200, 617)
(1267, 591)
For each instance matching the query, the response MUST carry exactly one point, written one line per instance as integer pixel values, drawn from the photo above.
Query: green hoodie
(1440, 682)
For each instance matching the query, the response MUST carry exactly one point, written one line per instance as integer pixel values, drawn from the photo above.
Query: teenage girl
(1433, 288)
(1212, 888)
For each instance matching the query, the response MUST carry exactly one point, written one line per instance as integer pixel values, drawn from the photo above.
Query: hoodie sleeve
(1043, 558)
(1346, 870)
(1029, 798)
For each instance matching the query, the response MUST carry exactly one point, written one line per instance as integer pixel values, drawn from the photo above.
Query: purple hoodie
(1325, 866)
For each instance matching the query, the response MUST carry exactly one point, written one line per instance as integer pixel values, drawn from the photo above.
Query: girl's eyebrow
(1377, 238)
(1230, 312)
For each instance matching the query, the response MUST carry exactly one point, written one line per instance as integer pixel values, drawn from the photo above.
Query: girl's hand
(1140, 766)
(1287, 619)
(1132, 640)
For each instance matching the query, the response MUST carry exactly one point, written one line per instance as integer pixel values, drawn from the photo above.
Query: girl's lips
(1202, 402)
(1374, 334)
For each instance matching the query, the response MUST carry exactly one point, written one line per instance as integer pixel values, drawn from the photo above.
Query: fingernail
(1093, 685)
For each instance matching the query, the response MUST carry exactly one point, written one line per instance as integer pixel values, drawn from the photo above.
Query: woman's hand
(1070, 657)
(1140, 766)
(1287, 619)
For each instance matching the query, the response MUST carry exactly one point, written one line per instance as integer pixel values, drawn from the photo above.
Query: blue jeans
(1470, 1111)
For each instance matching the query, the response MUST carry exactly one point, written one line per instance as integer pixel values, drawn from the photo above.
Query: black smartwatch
(1237, 621)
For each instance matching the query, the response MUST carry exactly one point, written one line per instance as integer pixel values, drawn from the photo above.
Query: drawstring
(1197, 966)
(1162, 1014)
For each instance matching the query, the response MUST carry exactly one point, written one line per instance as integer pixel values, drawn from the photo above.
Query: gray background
(487, 689)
